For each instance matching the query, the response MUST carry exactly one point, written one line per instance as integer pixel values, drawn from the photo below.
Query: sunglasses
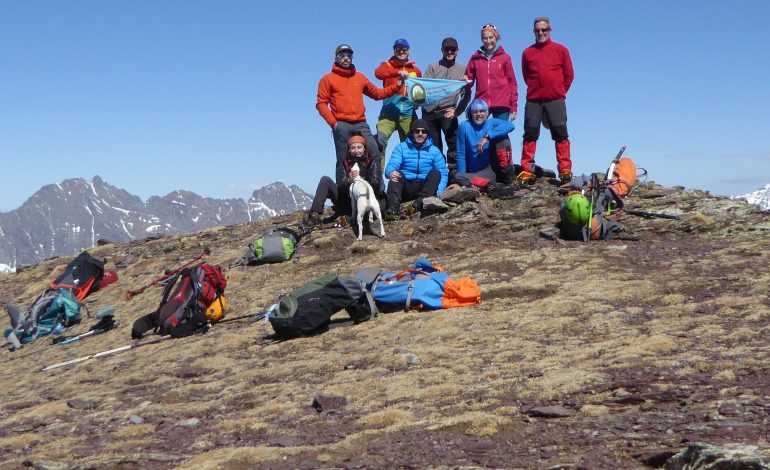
(345, 55)
(420, 131)
(401, 50)
(450, 50)
(542, 30)
(489, 25)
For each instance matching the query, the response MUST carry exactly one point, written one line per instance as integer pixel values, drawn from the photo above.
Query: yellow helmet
(216, 311)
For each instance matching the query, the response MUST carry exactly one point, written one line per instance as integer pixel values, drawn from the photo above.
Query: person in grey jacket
(442, 116)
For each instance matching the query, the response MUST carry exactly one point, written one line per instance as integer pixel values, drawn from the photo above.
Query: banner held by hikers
(424, 91)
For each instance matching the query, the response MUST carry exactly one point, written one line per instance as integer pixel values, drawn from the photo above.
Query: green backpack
(273, 246)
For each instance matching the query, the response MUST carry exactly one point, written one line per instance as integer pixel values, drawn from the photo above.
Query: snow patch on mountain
(760, 197)
(62, 219)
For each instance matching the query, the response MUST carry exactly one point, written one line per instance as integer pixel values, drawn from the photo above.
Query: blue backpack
(423, 287)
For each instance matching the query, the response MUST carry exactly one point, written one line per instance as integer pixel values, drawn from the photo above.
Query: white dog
(363, 200)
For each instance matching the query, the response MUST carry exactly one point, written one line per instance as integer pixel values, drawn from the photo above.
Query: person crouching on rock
(483, 148)
(339, 193)
(416, 170)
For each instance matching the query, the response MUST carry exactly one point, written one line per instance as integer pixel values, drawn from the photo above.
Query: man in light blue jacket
(416, 170)
(483, 149)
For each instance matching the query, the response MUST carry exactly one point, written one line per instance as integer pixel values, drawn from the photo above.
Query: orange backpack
(623, 177)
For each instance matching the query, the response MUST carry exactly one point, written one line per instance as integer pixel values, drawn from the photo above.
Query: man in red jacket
(547, 69)
(340, 101)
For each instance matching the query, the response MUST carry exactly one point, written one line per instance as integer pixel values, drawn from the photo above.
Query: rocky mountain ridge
(647, 351)
(64, 218)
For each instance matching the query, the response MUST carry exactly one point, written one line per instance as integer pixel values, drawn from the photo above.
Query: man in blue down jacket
(416, 169)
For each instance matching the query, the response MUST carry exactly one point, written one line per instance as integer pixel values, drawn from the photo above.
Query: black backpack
(308, 309)
(81, 276)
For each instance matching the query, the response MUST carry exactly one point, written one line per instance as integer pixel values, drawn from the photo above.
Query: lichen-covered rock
(702, 456)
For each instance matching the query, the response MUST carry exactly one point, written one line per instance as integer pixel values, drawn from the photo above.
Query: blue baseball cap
(401, 43)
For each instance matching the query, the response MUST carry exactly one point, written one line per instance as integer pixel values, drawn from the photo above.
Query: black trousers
(553, 114)
(409, 190)
(438, 124)
(339, 194)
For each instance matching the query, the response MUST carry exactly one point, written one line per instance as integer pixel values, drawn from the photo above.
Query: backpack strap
(409, 290)
(170, 283)
(369, 279)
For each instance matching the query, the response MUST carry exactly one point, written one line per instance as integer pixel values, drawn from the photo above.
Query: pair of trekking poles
(257, 316)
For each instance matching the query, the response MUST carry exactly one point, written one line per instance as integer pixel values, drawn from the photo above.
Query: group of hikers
(478, 154)
(478, 150)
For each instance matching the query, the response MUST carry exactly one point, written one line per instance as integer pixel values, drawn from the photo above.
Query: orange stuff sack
(623, 177)
(595, 228)
(460, 292)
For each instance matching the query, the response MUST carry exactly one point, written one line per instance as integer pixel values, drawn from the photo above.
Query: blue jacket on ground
(415, 163)
(468, 135)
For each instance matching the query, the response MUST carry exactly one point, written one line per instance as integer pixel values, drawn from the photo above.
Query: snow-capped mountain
(62, 219)
(760, 197)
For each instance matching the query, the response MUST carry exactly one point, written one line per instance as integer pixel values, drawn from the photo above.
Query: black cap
(449, 42)
(342, 48)
(418, 124)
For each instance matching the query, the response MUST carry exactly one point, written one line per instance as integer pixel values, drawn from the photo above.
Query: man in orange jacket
(340, 102)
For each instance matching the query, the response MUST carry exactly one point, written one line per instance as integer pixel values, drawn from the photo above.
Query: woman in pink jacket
(491, 69)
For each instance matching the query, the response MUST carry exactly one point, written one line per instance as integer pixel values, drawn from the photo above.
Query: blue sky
(218, 97)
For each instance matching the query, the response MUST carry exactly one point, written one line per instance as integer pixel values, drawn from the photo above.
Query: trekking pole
(652, 215)
(106, 323)
(256, 316)
(105, 353)
(131, 293)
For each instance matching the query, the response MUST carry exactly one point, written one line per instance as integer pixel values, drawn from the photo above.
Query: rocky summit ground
(601, 355)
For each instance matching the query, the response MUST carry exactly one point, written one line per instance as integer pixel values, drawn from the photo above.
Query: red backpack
(182, 310)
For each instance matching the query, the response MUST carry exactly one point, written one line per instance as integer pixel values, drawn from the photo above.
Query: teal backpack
(55, 309)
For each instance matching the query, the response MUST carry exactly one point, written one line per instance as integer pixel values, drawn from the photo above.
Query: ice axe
(614, 163)
(131, 293)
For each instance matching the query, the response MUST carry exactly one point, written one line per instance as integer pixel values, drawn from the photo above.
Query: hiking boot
(525, 177)
(565, 177)
(313, 219)
(391, 215)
